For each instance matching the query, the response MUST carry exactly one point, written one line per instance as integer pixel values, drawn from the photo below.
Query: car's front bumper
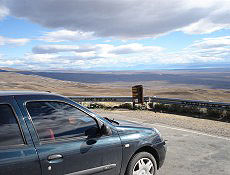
(161, 149)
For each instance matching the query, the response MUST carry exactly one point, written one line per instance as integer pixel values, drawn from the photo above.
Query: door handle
(54, 157)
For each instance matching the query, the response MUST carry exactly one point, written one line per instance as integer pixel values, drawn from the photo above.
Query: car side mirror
(91, 132)
(106, 130)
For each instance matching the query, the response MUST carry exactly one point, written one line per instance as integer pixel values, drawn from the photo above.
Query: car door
(62, 145)
(17, 152)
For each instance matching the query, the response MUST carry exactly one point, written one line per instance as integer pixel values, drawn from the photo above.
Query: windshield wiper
(112, 120)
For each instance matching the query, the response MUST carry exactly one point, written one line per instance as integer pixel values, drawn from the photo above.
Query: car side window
(10, 133)
(58, 120)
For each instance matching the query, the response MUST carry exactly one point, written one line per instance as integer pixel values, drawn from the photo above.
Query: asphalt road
(191, 152)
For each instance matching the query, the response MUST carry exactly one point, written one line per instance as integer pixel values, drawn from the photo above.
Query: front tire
(142, 163)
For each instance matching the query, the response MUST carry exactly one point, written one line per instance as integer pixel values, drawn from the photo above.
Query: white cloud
(209, 43)
(66, 35)
(98, 50)
(44, 49)
(3, 11)
(204, 26)
(135, 48)
(108, 56)
(122, 18)
(218, 18)
(204, 50)
(6, 62)
(48, 61)
(45, 58)
(126, 55)
(90, 54)
(13, 41)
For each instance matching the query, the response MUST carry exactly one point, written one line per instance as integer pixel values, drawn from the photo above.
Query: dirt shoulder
(202, 125)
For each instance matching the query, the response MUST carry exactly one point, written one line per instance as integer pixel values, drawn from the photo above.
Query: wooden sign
(137, 94)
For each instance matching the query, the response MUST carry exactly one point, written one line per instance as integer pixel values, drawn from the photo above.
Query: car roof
(12, 93)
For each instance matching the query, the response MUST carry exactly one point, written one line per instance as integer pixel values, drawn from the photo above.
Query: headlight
(159, 134)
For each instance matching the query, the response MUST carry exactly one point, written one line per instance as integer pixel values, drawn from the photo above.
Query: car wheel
(142, 163)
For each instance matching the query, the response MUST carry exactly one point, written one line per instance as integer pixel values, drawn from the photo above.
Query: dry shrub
(214, 113)
(125, 106)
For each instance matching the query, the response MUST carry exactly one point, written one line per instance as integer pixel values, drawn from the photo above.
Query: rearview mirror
(106, 130)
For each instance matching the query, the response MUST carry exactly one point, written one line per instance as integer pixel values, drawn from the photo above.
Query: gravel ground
(203, 125)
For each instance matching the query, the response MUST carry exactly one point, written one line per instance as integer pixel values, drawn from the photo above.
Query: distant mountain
(8, 69)
(213, 78)
(3, 70)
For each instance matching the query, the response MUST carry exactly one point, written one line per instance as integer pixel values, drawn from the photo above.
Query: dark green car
(47, 134)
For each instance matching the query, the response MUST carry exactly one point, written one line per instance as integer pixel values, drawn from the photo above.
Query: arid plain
(211, 85)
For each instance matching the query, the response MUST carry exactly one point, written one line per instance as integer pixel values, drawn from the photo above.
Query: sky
(114, 34)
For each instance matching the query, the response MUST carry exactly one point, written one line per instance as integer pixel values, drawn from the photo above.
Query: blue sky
(114, 35)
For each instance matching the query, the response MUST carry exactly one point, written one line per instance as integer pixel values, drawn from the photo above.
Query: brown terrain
(15, 81)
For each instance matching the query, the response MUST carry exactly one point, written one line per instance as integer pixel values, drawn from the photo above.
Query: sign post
(137, 95)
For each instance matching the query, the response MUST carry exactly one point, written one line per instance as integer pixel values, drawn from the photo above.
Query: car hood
(128, 123)
(125, 126)
(131, 131)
